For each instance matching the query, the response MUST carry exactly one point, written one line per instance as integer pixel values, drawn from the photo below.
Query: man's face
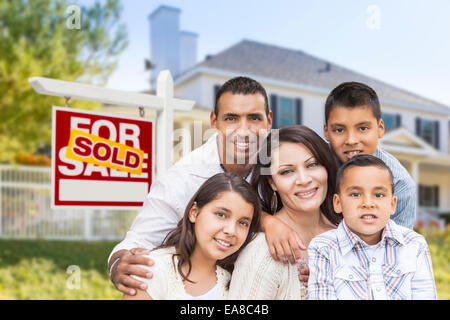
(353, 131)
(366, 201)
(240, 121)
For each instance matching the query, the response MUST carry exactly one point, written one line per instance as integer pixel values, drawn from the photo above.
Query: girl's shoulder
(162, 252)
(163, 257)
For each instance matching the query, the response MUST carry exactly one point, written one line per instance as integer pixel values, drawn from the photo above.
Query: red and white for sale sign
(100, 160)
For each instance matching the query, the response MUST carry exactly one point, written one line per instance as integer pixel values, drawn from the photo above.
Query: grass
(38, 269)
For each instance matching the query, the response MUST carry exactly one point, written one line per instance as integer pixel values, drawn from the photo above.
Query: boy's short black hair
(363, 160)
(351, 95)
(241, 85)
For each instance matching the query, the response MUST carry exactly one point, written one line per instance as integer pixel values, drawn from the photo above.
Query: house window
(286, 111)
(428, 196)
(391, 121)
(428, 130)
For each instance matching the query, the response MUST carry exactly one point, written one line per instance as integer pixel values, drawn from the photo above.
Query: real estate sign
(100, 160)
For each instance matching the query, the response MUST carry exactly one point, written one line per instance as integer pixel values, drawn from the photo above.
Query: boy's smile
(366, 201)
(353, 131)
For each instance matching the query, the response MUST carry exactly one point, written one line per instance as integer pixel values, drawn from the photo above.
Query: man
(242, 118)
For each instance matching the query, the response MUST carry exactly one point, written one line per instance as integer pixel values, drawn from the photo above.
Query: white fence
(25, 212)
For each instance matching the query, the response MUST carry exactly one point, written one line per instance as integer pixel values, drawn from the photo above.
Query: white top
(210, 295)
(169, 195)
(256, 276)
(167, 283)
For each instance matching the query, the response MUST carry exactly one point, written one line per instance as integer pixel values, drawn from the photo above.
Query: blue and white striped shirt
(404, 189)
(344, 267)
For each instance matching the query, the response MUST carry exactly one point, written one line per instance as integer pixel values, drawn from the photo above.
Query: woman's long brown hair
(183, 236)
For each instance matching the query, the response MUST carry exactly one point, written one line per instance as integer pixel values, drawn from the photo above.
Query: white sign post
(164, 103)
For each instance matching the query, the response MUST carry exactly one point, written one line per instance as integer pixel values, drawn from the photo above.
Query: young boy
(368, 256)
(353, 126)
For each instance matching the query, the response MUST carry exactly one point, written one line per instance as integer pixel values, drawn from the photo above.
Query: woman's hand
(283, 242)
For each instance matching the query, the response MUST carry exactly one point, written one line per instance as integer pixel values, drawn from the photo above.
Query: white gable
(403, 141)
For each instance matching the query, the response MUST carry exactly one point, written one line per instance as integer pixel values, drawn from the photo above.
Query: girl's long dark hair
(183, 236)
(316, 145)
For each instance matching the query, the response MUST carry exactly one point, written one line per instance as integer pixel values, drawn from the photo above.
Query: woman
(196, 258)
(295, 177)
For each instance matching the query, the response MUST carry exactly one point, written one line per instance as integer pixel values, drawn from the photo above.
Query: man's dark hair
(241, 85)
(364, 160)
(351, 95)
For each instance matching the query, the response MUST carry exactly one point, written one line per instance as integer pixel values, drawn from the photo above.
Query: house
(417, 128)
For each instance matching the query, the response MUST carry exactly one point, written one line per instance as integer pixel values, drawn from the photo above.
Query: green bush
(439, 244)
(38, 269)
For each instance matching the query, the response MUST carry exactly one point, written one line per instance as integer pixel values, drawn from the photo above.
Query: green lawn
(37, 269)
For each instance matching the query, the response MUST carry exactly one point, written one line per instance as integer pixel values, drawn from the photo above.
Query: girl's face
(297, 176)
(222, 225)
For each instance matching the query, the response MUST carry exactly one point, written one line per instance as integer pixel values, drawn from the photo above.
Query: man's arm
(159, 215)
(140, 295)
(124, 263)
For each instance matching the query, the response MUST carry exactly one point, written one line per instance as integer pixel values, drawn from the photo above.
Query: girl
(196, 259)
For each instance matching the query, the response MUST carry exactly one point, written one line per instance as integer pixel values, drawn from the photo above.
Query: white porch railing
(25, 211)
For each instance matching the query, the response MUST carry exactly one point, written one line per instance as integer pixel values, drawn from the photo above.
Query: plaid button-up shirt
(342, 266)
(404, 190)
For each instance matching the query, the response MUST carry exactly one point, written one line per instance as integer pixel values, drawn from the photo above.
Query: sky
(405, 43)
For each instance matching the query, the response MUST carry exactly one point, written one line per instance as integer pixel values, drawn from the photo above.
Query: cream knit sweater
(257, 276)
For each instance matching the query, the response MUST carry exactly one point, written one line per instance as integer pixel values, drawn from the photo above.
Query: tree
(41, 38)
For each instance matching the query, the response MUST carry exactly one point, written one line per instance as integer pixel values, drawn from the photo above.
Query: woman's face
(298, 177)
(222, 225)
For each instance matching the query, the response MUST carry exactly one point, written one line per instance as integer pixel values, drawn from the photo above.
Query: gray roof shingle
(270, 61)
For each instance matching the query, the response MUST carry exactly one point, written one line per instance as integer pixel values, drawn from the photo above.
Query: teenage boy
(369, 256)
(353, 126)
(241, 115)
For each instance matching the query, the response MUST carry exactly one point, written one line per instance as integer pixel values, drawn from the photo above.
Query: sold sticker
(93, 149)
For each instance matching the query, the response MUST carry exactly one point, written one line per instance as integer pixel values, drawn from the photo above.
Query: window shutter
(398, 120)
(418, 127)
(436, 196)
(299, 110)
(420, 195)
(216, 89)
(274, 108)
(436, 134)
